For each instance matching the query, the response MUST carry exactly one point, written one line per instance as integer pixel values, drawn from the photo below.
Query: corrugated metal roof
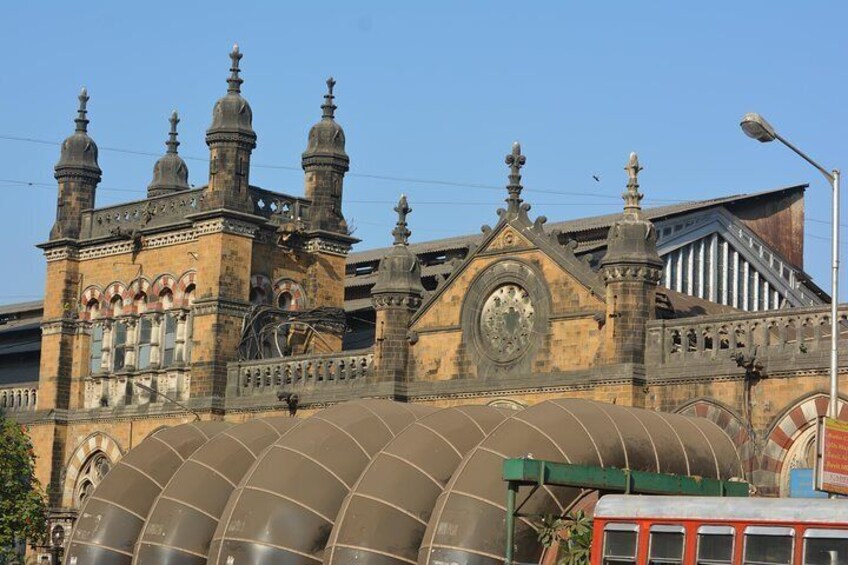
(570, 226)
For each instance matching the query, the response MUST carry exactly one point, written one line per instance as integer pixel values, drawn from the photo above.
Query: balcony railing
(277, 207)
(780, 332)
(251, 378)
(18, 397)
(123, 219)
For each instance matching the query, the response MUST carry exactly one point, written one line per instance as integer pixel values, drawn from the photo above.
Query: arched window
(257, 296)
(285, 301)
(189, 295)
(92, 473)
(93, 309)
(140, 303)
(117, 306)
(166, 299)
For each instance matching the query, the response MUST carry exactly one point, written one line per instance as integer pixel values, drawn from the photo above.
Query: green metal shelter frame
(536, 473)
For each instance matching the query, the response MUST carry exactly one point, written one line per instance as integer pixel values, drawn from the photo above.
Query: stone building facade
(151, 307)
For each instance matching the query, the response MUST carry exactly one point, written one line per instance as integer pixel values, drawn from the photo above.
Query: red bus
(666, 530)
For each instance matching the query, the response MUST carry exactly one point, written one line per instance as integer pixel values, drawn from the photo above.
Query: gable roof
(575, 226)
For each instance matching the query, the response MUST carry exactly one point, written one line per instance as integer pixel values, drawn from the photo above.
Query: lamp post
(57, 536)
(756, 127)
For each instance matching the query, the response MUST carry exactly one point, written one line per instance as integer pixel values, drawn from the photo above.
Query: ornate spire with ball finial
(401, 231)
(632, 197)
(329, 109)
(78, 174)
(170, 173)
(234, 82)
(515, 161)
(82, 120)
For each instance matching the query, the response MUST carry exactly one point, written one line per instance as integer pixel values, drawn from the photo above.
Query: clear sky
(432, 91)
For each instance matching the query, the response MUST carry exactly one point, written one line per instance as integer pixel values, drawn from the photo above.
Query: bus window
(768, 545)
(666, 545)
(825, 547)
(715, 545)
(620, 543)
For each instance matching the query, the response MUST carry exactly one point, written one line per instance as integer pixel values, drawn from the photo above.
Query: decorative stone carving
(506, 322)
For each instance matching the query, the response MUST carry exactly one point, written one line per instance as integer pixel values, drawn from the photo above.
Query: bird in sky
(597, 178)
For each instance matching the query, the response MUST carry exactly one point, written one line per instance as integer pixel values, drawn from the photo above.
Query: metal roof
(571, 226)
(811, 510)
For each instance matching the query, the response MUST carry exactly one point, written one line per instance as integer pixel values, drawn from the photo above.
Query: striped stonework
(783, 435)
(96, 442)
(732, 425)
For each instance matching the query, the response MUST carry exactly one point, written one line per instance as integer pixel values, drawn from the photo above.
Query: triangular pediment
(516, 233)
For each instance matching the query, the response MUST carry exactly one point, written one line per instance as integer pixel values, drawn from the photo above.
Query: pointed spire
(172, 142)
(235, 80)
(515, 160)
(401, 232)
(82, 120)
(633, 198)
(328, 107)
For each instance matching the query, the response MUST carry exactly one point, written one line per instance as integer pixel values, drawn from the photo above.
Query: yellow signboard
(832, 460)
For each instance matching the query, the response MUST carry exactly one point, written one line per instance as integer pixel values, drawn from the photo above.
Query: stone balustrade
(123, 219)
(279, 208)
(249, 378)
(792, 331)
(18, 397)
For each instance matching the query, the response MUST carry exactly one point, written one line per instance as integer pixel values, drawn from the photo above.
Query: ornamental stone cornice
(635, 272)
(219, 306)
(63, 326)
(395, 300)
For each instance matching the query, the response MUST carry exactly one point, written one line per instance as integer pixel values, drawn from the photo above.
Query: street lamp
(756, 127)
(57, 536)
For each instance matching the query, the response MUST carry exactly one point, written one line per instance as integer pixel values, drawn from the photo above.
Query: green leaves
(23, 511)
(572, 533)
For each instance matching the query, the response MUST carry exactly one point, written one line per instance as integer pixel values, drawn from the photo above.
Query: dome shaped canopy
(327, 138)
(79, 152)
(170, 173)
(232, 114)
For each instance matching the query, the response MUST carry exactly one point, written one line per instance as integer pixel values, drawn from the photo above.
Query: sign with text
(832, 456)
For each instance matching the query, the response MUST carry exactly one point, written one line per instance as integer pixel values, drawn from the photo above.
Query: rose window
(506, 322)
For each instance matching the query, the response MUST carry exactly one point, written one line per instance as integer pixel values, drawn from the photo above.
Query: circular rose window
(506, 322)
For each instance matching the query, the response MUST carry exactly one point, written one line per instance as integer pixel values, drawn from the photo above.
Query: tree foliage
(572, 533)
(23, 510)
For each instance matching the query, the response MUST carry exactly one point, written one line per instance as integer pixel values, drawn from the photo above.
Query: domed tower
(78, 175)
(170, 173)
(396, 296)
(325, 164)
(631, 269)
(231, 140)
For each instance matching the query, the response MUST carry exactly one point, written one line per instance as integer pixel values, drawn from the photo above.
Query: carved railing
(123, 219)
(780, 332)
(18, 397)
(277, 207)
(250, 378)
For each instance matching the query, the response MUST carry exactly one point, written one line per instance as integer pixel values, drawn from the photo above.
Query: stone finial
(172, 142)
(235, 80)
(632, 198)
(81, 119)
(401, 231)
(515, 160)
(329, 109)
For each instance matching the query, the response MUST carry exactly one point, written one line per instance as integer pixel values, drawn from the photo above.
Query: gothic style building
(231, 302)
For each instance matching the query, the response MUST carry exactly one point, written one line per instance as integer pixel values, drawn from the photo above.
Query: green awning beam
(536, 472)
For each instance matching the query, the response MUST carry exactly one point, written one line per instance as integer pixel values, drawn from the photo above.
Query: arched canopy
(467, 523)
(370, 481)
(183, 519)
(112, 518)
(287, 504)
(383, 519)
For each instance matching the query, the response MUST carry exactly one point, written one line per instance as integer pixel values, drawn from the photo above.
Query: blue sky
(432, 91)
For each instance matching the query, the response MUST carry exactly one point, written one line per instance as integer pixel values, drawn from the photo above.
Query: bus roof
(727, 509)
